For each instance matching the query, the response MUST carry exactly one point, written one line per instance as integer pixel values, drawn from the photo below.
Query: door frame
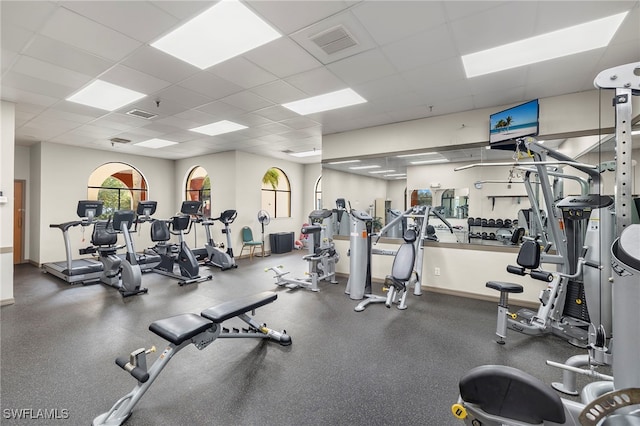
(19, 185)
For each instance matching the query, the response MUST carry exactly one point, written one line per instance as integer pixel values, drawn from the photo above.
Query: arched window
(421, 197)
(318, 192)
(120, 186)
(276, 193)
(199, 189)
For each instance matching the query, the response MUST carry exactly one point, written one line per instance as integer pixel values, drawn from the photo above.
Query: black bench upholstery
(502, 286)
(180, 328)
(511, 393)
(233, 308)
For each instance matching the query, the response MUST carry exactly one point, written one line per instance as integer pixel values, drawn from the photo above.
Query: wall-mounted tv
(510, 124)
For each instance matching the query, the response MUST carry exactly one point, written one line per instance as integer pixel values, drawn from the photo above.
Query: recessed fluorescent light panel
(443, 160)
(363, 167)
(226, 30)
(107, 96)
(306, 153)
(155, 143)
(567, 41)
(219, 128)
(382, 171)
(422, 154)
(396, 175)
(328, 101)
(345, 162)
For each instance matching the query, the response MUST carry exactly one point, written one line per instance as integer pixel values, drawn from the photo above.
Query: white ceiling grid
(406, 64)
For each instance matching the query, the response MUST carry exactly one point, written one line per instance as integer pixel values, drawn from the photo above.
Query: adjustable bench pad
(233, 308)
(506, 287)
(180, 328)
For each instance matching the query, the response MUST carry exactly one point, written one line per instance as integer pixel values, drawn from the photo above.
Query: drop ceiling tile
(242, 72)
(299, 123)
(83, 33)
(252, 120)
(628, 31)
(496, 82)
(283, 58)
(119, 122)
(134, 80)
(181, 136)
(183, 96)
(13, 37)
(94, 132)
(410, 113)
(507, 96)
(57, 114)
(210, 85)
(389, 21)
(452, 105)
(562, 14)
(177, 123)
(366, 66)
(275, 128)
(421, 49)
(65, 56)
(386, 86)
(160, 127)
(150, 104)
(276, 113)
(247, 101)
(182, 9)
(76, 108)
(279, 92)
(221, 110)
(317, 81)
(462, 9)
(49, 72)
(154, 62)
(196, 116)
(139, 20)
(7, 59)
(279, 13)
(435, 75)
(273, 138)
(35, 85)
(494, 27)
(614, 55)
(27, 14)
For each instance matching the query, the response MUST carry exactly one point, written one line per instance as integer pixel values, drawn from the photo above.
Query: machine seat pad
(511, 393)
(506, 287)
(233, 308)
(180, 328)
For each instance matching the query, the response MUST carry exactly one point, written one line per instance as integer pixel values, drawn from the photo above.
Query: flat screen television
(516, 122)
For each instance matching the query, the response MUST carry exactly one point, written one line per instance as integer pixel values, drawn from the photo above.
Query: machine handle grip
(137, 372)
(518, 270)
(592, 264)
(542, 276)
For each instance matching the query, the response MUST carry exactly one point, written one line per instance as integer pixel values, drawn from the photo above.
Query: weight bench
(181, 331)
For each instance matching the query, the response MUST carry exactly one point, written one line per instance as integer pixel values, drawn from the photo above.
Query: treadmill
(77, 271)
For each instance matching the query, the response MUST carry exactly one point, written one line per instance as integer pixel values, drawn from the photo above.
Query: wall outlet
(436, 272)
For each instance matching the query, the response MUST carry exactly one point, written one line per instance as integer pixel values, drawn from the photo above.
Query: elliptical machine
(170, 254)
(216, 256)
(123, 274)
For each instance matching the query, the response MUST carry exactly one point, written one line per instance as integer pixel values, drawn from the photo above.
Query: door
(18, 220)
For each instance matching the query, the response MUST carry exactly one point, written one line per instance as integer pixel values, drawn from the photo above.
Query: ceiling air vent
(334, 40)
(120, 140)
(142, 114)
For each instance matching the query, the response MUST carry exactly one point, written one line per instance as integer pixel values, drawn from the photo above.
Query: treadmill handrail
(66, 225)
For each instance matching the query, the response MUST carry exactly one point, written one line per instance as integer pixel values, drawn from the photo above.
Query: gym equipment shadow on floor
(376, 367)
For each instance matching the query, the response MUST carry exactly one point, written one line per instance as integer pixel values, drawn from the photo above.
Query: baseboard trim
(6, 302)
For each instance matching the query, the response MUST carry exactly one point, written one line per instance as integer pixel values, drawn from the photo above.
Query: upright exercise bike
(123, 274)
(170, 254)
(216, 256)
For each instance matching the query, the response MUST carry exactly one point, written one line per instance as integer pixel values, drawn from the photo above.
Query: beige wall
(7, 147)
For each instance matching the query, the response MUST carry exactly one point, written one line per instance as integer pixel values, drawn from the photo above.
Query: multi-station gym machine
(498, 395)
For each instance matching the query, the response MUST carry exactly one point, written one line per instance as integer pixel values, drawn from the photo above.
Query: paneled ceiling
(406, 64)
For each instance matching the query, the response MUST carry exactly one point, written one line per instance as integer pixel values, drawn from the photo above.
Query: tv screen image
(516, 122)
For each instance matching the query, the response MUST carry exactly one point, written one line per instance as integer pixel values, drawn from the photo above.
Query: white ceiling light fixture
(396, 175)
(364, 167)
(381, 171)
(556, 44)
(106, 96)
(422, 154)
(344, 162)
(155, 143)
(222, 32)
(218, 128)
(443, 160)
(328, 101)
(306, 153)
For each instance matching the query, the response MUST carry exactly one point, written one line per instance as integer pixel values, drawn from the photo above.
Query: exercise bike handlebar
(138, 373)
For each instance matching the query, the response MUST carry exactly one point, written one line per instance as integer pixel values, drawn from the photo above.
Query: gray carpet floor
(377, 367)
